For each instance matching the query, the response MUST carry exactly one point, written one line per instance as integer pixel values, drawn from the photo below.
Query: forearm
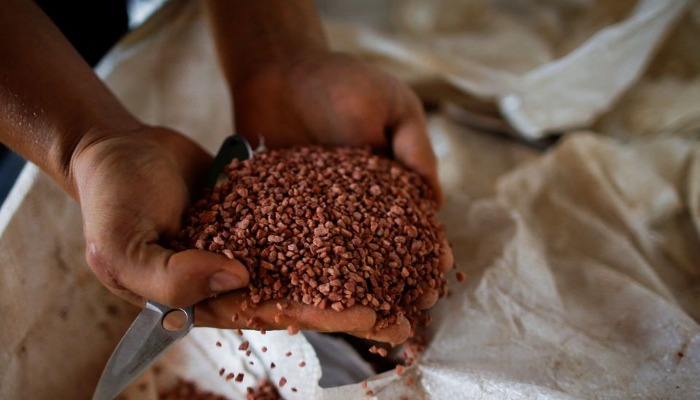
(249, 34)
(50, 99)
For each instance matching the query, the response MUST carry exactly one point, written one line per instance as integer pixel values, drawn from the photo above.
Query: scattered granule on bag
(185, 390)
(265, 390)
(413, 348)
(329, 227)
(461, 276)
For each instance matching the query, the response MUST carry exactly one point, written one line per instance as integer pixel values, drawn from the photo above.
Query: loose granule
(293, 329)
(264, 349)
(239, 377)
(283, 381)
(265, 390)
(413, 348)
(221, 371)
(288, 354)
(244, 346)
(230, 376)
(302, 364)
(400, 369)
(369, 393)
(272, 365)
(329, 227)
(218, 344)
(461, 276)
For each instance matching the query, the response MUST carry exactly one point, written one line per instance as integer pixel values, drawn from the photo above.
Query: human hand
(234, 310)
(133, 188)
(329, 98)
(290, 89)
(334, 99)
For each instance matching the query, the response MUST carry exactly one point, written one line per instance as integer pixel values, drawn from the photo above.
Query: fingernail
(223, 281)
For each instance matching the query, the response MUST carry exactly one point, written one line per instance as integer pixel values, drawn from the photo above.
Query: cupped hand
(329, 98)
(334, 99)
(233, 310)
(133, 188)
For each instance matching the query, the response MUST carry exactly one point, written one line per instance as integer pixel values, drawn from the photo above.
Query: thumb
(184, 278)
(411, 145)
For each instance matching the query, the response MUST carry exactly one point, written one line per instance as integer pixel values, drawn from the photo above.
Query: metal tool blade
(233, 147)
(142, 344)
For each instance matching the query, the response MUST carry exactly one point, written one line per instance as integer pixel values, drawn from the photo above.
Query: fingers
(428, 299)
(393, 334)
(174, 279)
(431, 296)
(447, 260)
(233, 310)
(410, 142)
(188, 277)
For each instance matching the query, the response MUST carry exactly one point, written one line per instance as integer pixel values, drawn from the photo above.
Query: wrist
(75, 150)
(250, 35)
(271, 63)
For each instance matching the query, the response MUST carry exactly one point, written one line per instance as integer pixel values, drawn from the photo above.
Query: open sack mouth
(581, 257)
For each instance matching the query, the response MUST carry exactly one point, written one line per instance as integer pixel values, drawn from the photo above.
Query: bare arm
(251, 34)
(133, 181)
(50, 98)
